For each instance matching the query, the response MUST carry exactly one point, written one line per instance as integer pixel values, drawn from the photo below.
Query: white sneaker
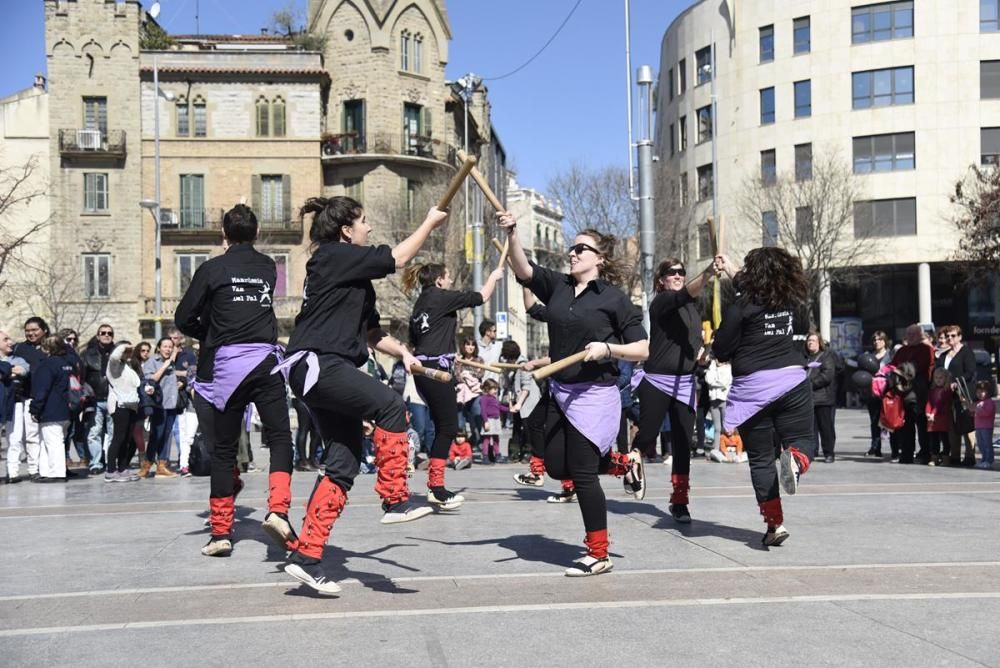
(788, 472)
(529, 480)
(563, 497)
(313, 576)
(717, 456)
(637, 475)
(404, 511)
(589, 566)
(447, 500)
(775, 536)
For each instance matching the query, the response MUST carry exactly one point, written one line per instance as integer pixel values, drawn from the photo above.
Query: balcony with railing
(356, 147)
(95, 144)
(190, 225)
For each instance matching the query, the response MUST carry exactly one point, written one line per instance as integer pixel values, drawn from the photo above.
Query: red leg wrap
(568, 486)
(537, 465)
(597, 543)
(771, 510)
(279, 493)
(681, 486)
(324, 507)
(221, 515)
(435, 473)
(391, 459)
(801, 459)
(620, 464)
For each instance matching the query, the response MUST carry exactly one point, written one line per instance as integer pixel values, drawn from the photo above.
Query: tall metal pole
(158, 279)
(628, 93)
(716, 284)
(474, 223)
(647, 224)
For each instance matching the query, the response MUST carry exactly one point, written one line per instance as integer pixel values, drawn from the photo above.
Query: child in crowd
(938, 417)
(491, 409)
(731, 448)
(460, 453)
(985, 416)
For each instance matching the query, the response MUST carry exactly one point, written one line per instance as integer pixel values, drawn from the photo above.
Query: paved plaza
(886, 565)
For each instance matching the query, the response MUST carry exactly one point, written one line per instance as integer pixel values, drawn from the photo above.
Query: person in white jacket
(123, 406)
(719, 377)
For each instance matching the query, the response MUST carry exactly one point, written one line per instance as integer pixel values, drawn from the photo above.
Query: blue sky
(567, 106)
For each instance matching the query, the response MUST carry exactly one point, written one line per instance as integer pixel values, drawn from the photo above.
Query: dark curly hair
(773, 278)
(661, 271)
(612, 271)
(329, 215)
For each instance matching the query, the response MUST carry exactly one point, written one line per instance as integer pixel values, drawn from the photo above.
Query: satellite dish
(154, 11)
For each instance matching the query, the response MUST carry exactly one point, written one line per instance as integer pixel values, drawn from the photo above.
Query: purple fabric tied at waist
(752, 393)
(446, 361)
(594, 409)
(233, 363)
(312, 368)
(678, 387)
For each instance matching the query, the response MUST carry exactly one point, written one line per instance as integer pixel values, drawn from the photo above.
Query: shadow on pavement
(696, 529)
(526, 547)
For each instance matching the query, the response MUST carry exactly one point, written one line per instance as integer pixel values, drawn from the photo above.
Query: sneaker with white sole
(589, 566)
(788, 473)
(635, 479)
(775, 536)
(312, 575)
(444, 499)
(565, 496)
(679, 512)
(717, 456)
(279, 529)
(404, 511)
(218, 547)
(529, 480)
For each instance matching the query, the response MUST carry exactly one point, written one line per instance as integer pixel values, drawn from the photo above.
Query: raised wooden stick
(468, 164)
(502, 249)
(555, 367)
(480, 180)
(508, 365)
(477, 365)
(433, 374)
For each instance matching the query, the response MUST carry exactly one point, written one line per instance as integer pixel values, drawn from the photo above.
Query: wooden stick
(480, 180)
(713, 238)
(433, 374)
(468, 164)
(503, 253)
(502, 249)
(721, 235)
(477, 365)
(555, 367)
(508, 365)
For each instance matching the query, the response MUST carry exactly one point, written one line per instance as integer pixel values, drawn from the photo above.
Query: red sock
(537, 466)
(221, 510)
(324, 507)
(620, 464)
(771, 510)
(568, 486)
(681, 486)
(435, 473)
(597, 543)
(391, 450)
(279, 493)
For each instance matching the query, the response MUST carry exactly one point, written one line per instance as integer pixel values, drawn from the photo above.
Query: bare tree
(676, 222)
(52, 289)
(290, 22)
(19, 186)
(977, 218)
(810, 212)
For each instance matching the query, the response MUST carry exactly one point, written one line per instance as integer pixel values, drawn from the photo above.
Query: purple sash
(678, 387)
(594, 409)
(445, 361)
(233, 363)
(752, 393)
(312, 368)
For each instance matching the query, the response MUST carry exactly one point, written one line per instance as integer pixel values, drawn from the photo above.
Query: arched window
(183, 117)
(200, 117)
(418, 53)
(404, 50)
(263, 116)
(278, 117)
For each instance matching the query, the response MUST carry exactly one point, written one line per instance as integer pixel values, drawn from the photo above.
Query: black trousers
(267, 393)
(874, 414)
(119, 454)
(654, 405)
(825, 429)
(787, 422)
(343, 397)
(914, 430)
(534, 428)
(441, 402)
(570, 456)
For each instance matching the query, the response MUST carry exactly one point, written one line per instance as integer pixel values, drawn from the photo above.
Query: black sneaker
(565, 496)
(404, 511)
(679, 512)
(445, 499)
(589, 566)
(279, 529)
(529, 480)
(310, 573)
(635, 480)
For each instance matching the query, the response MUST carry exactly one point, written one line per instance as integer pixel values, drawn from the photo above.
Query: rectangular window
(769, 228)
(187, 264)
(682, 124)
(885, 217)
(803, 162)
(96, 275)
(272, 205)
(670, 83)
(801, 35)
(704, 241)
(882, 88)
(989, 15)
(411, 190)
(95, 192)
(803, 99)
(278, 118)
(263, 117)
(673, 140)
(682, 76)
(884, 153)
(705, 124)
(766, 41)
(768, 167)
(882, 22)
(192, 201)
(95, 115)
(989, 80)
(683, 190)
(703, 64)
(804, 224)
(989, 146)
(705, 185)
(183, 119)
(767, 106)
(281, 265)
(418, 53)
(411, 128)
(404, 51)
(355, 189)
(200, 119)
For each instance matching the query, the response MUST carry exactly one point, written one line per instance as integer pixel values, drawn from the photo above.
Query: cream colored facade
(946, 115)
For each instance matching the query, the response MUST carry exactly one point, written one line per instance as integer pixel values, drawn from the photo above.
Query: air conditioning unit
(89, 140)
(168, 219)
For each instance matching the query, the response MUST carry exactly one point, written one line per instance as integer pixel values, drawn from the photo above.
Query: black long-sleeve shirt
(230, 300)
(338, 303)
(601, 312)
(755, 338)
(33, 355)
(675, 333)
(435, 319)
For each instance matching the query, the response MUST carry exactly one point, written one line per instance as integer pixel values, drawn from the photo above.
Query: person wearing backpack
(50, 408)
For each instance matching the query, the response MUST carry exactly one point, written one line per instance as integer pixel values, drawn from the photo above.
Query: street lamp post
(469, 83)
(647, 229)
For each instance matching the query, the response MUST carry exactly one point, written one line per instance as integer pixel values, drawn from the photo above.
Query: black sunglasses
(579, 248)
(675, 272)
(105, 333)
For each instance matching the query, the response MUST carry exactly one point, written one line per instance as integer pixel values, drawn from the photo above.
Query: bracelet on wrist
(608, 346)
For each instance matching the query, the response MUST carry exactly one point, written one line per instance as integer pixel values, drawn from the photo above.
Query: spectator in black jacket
(50, 408)
(76, 433)
(24, 436)
(960, 362)
(12, 371)
(822, 379)
(95, 363)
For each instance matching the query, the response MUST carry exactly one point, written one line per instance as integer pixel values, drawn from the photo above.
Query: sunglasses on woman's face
(675, 271)
(579, 248)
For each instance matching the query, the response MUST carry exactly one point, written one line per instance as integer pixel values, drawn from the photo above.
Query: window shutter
(426, 129)
(361, 125)
(286, 198)
(255, 194)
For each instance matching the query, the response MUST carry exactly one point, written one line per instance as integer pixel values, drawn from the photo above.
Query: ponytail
(329, 215)
(425, 275)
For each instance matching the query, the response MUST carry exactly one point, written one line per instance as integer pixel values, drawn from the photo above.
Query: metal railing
(91, 142)
(384, 143)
